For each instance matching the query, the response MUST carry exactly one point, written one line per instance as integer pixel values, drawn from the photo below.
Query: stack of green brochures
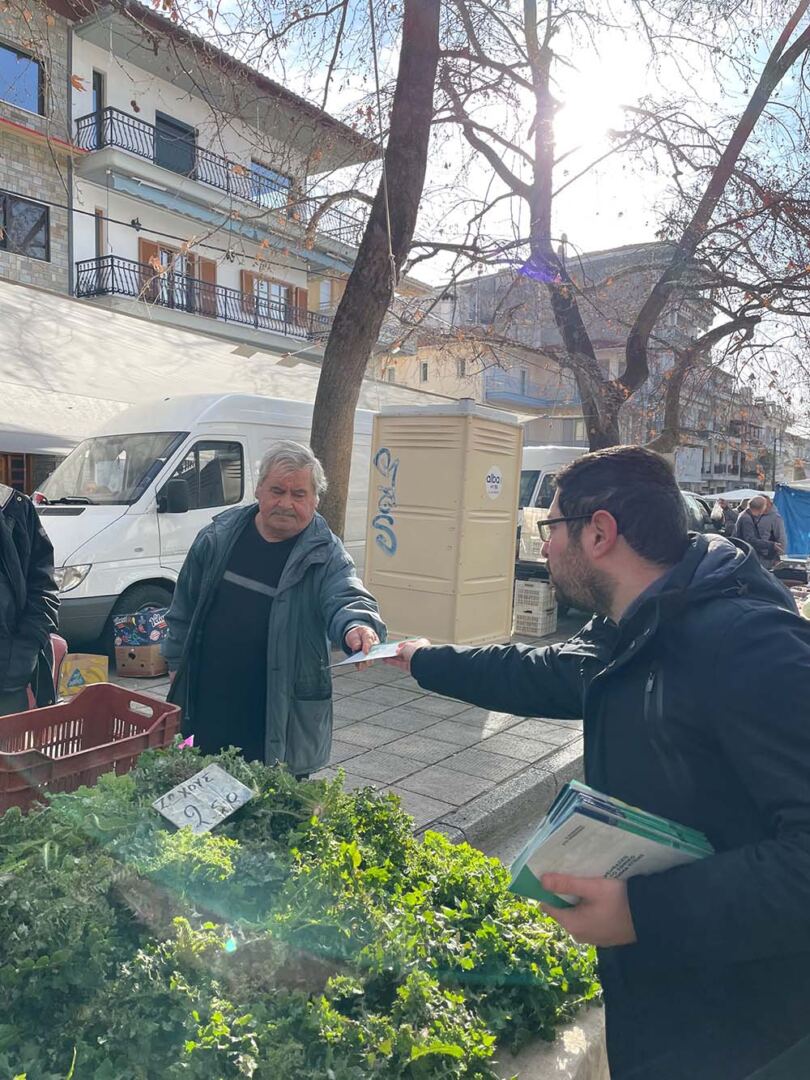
(589, 834)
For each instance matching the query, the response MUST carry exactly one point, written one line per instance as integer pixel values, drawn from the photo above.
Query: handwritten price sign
(205, 799)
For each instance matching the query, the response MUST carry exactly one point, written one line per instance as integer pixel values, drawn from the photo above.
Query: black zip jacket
(696, 707)
(29, 599)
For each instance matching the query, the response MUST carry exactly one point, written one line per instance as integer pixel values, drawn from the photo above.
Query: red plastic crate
(102, 729)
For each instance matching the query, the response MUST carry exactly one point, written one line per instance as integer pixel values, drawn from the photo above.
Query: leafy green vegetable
(310, 936)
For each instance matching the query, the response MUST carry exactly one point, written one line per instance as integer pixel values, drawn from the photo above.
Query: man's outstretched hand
(405, 653)
(361, 639)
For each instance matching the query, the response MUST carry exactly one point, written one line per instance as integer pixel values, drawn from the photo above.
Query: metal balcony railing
(180, 153)
(113, 276)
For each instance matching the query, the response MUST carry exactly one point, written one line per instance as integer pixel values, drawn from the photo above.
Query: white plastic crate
(535, 623)
(534, 595)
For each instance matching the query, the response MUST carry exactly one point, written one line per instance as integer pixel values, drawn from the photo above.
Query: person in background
(29, 603)
(262, 591)
(752, 529)
(724, 517)
(705, 967)
(772, 524)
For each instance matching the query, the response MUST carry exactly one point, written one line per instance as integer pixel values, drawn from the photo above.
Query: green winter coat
(319, 598)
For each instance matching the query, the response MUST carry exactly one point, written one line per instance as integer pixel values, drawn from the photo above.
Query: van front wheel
(135, 599)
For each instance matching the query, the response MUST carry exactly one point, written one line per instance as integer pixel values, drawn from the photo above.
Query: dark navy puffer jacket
(697, 707)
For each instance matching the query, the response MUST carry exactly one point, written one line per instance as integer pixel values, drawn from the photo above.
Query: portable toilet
(442, 520)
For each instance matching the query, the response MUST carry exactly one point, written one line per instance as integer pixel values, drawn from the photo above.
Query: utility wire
(135, 224)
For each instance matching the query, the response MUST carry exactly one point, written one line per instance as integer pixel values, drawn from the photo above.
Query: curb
(488, 823)
(500, 813)
(577, 1053)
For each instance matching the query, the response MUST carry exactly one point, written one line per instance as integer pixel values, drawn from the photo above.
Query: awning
(67, 366)
(26, 441)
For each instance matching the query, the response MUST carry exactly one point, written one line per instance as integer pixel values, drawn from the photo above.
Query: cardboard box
(79, 670)
(139, 661)
(146, 627)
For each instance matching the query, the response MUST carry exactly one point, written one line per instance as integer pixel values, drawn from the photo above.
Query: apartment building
(193, 194)
(145, 172)
(35, 146)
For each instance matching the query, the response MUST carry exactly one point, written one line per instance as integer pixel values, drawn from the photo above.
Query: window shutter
(301, 301)
(148, 257)
(338, 289)
(207, 274)
(248, 279)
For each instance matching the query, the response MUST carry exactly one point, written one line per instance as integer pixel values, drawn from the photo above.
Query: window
(98, 106)
(325, 295)
(175, 144)
(111, 468)
(22, 80)
(24, 227)
(545, 496)
(98, 232)
(423, 371)
(273, 298)
(268, 187)
(461, 368)
(171, 288)
(16, 471)
(580, 434)
(524, 378)
(391, 375)
(214, 474)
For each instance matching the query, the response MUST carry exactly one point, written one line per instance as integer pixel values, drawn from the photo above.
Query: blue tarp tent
(793, 504)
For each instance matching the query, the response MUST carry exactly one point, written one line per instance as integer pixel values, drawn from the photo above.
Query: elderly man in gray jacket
(263, 590)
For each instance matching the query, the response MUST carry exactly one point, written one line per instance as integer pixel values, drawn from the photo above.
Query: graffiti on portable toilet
(383, 521)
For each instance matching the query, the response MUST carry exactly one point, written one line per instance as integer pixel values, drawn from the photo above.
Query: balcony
(114, 276)
(503, 387)
(720, 469)
(180, 154)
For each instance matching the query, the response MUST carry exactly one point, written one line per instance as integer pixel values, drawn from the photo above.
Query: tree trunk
(370, 287)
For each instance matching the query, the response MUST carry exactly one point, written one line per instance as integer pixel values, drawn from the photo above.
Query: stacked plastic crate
(535, 609)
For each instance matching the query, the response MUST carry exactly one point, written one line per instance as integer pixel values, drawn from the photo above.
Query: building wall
(121, 238)
(612, 287)
(33, 161)
(140, 94)
(443, 374)
(555, 431)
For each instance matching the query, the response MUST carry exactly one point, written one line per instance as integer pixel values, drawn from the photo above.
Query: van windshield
(111, 469)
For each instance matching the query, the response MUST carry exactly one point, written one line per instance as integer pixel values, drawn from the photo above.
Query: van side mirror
(173, 499)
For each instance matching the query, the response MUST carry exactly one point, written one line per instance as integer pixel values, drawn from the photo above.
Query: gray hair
(294, 456)
(757, 503)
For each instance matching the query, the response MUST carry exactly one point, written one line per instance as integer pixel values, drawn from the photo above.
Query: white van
(124, 507)
(538, 476)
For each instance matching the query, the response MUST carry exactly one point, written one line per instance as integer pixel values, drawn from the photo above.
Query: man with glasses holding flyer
(705, 967)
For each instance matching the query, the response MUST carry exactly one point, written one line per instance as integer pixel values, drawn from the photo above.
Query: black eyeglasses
(544, 527)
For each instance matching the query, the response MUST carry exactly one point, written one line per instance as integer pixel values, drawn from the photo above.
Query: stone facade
(34, 150)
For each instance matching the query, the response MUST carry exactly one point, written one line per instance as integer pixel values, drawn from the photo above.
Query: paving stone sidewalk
(435, 753)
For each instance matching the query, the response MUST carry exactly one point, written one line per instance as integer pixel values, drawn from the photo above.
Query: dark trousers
(13, 701)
